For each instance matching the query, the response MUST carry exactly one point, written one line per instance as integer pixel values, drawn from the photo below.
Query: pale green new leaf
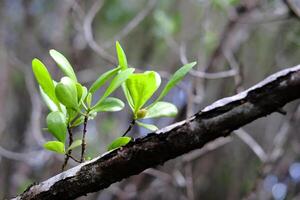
(66, 92)
(161, 109)
(79, 89)
(44, 79)
(151, 127)
(119, 142)
(178, 76)
(55, 146)
(128, 97)
(141, 87)
(51, 105)
(115, 83)
(88, 100)
(63, 64)
(102, 79)
(121, 56)
(110, 104)
(74, 145)
(56, 123)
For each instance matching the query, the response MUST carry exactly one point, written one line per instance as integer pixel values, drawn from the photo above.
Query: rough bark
(216, 120)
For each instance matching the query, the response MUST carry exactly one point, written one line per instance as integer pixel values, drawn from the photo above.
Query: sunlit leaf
(119, 142)
(151, 127)
(63, 64)
(66, 93)
(115, 83)
(55, 146)
(121, 56)
(56, 123)
(128, 97)
(79, 89)
(161, 109)
(89, 98)
(102, 79)
(110, 104)
(51, 105)
(75, 144)
(178, 76)
(141, 87)
(44, 79)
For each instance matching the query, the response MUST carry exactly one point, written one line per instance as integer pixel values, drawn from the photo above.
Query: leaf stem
(68, 154)
(83, 145)
(132, 123)
(73, 158)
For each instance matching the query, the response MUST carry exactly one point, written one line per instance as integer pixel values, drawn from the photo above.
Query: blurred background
(236, 44)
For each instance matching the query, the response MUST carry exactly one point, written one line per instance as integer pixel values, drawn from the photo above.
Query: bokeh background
(236, 44)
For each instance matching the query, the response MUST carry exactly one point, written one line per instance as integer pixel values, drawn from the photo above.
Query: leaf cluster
(70, 103)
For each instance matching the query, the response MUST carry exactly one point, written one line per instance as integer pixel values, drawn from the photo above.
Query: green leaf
(51, 105)
(121, 56)
(102, 79)
(110, 104)
(66, 93)
(63, 64)
(79, 89)
(55, 146)
(75, 144)
(141, 87)
(56, 123)
(151, 127)
(115, 83)
(89, 98)
(44, 79)
(178, 76)
(128, 97)
(161, 109)
(119, 142)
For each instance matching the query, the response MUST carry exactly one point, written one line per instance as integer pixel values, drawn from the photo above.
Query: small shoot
(140, 87)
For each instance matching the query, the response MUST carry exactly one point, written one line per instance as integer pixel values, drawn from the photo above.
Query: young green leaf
(84, 94)
(119, 142)
(115, 83)
(110, 104)
(161, 109)
(151, 127)
(141, 87)
(79, 89)
(102, 79)
(89, 98)
(44, 79)
(55, 146)
(74, 145)
(56, 123)
(121, 56)
(63, 64)
(66, 92)
(178, 76)
(128, 97)
(51, 105)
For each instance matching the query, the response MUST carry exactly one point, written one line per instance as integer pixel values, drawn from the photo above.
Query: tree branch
(214, 121)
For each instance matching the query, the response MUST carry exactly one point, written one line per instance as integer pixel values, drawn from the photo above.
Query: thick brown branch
(214, 121)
